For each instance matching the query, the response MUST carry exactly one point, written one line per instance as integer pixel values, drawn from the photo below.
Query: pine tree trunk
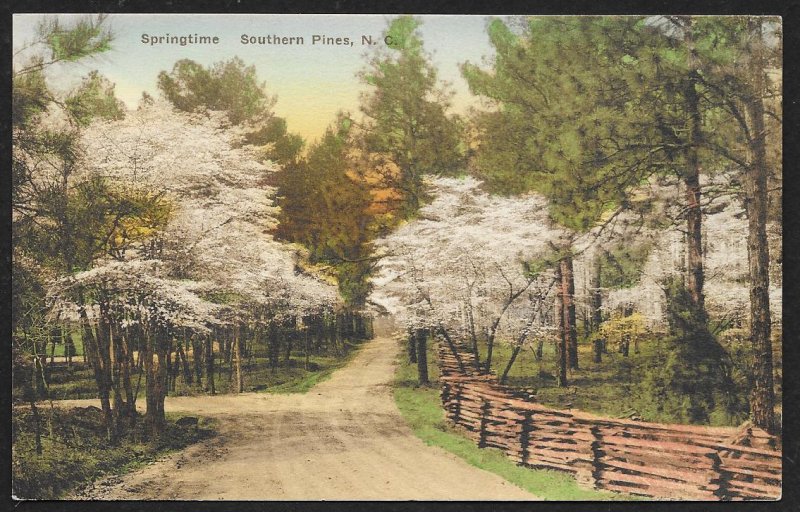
(596, 295)
(691, 180)
(598, 350)
(570, 322)
(561, 342)
(762, 399)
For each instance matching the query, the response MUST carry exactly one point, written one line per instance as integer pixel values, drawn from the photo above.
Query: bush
(691, 378)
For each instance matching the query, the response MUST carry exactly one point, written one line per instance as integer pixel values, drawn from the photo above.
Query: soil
(343, 440)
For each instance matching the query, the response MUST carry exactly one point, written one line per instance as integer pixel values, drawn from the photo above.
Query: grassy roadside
(75, 451)
(421, 408)
(303, 383)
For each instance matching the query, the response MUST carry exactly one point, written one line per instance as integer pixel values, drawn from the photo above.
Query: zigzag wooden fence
(649, 459)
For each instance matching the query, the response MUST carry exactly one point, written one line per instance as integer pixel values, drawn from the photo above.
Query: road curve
(343, 440)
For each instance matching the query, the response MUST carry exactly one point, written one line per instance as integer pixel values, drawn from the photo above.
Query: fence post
(484, 423)
(526, 427)
(457, 398)
(592, 477)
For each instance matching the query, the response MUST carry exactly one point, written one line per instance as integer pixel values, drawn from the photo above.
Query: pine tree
(551, 131)
(325, 207)
(407, 122)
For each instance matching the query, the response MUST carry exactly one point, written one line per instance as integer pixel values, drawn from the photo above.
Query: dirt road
(343, 440)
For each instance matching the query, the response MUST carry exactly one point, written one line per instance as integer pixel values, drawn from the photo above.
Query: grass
(75, 451)
(325, 368)
(421, 408)
(607, 388)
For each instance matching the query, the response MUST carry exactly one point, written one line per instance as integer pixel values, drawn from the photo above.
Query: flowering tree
(211, 267)
(469, 265)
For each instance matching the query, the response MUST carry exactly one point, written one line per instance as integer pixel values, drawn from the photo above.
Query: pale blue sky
(311, 82)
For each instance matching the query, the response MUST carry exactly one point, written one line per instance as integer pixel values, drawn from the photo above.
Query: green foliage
(94, 98)
(234, 88)
(229, 86)
(272, 130)
(325, 208)
(85, 38)
(561, 116)
(690, 380)
(407, 115)
(286, 149)
(30, 96)
(622, 266)
(94, 218)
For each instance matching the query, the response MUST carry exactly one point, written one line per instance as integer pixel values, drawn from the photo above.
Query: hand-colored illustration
(378, 257)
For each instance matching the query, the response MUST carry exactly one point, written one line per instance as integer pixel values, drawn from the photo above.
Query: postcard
(396, 257)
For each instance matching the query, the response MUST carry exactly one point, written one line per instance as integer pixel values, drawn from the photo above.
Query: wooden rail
(684, 462)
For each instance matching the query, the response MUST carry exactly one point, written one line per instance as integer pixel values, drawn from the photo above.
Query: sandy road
(343, 440)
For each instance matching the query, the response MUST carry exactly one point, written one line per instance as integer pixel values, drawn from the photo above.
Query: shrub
(691, 378)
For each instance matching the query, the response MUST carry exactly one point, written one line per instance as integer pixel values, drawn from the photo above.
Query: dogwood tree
(467, 266)
(213, 265)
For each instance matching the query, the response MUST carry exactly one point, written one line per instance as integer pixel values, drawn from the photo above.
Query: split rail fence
(661, 461)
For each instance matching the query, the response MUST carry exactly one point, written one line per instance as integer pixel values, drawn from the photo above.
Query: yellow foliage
(618, 326)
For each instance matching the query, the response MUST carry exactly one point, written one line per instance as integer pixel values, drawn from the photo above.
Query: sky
(312, 82)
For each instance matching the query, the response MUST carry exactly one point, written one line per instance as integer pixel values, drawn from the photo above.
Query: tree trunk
(570, 322)
(691, 180)
(307, 350)
(102, 362)
(412, 347)
(210, 386)
(422, 355)
(561, 342)
(490, 346)
(762, 399)
(237, 353)
(596, 295)
(197, 360)
(273, 348)
(539, 352)
(473, 336)
(514, 354)
(184, 363)
(598, 350)
(127, 382)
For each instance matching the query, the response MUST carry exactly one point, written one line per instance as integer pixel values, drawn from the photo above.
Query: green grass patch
(324, 368)
(421, 408)
(75, 451)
